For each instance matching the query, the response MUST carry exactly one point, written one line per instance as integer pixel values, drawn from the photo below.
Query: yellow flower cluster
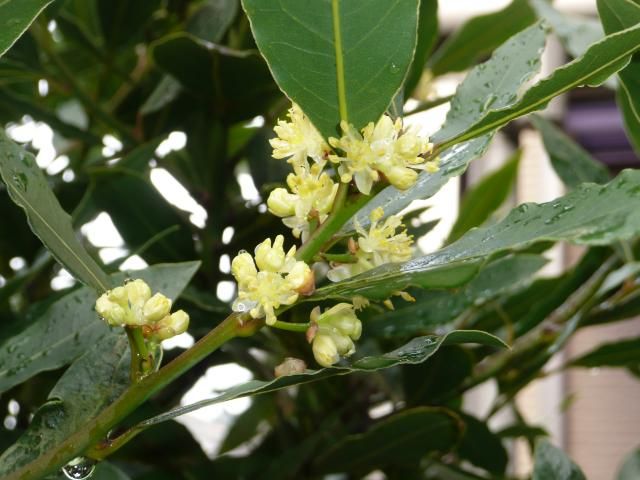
(381, 244)
(278, 279)
(311, 190)
(333, 333)
(381, 148)
(298, 139)
(312, 195)
(132, 305)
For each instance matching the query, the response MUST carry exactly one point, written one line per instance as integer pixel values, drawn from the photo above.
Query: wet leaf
(329, 56)
(29, 189)
(590, 215)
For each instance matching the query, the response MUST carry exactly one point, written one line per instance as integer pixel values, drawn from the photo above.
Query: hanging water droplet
(79, 468)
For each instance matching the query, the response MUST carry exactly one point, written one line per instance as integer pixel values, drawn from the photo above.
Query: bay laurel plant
(288, 128)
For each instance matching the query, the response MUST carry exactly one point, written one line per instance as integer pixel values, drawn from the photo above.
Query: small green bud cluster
(133, 305)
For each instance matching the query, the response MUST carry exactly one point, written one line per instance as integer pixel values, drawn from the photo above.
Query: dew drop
(79, 468)
(20, 181)
(394, 68)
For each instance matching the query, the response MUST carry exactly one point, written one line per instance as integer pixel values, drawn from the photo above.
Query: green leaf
(485, 198)
(16, 17)
(336, 59)
(551, 463)
(623, 353)
(572, 163)
(88, 385)
(599, 62)
(480, 36)
(416, 351)
(212, 19)
(401, 439)
(70, 326)
(590, 215)
(481, 446)
(434, 308)
(576, 33)
(617, 15)
(427, 36)
(495, 83)
(630, 469)
(28, 188)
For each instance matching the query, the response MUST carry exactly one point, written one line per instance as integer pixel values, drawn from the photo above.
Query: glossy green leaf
(88, 385)
(481, 446)
(16, 16)
(435, 308)
(480, 36)
(495, 83)
(622, 353)
(599, 62)
(551, 463)
(617, 15)
(630, 469)
(28, 188)
(590, 215)
(427, 36)
(572, 163)
(576, 33)
(70, 326)
(485, 198)
(336, 59)
(398, 440)
(416, 351)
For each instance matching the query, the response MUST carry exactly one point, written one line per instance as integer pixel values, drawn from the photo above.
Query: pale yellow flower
(298, 139)
(312, 195)
(278, 279)
(381, 243)
(384, 148)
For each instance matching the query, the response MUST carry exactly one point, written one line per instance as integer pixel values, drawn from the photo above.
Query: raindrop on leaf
(79, 468)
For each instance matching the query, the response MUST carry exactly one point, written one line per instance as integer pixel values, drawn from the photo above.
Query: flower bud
(170, 326)
(270, 258)
(243, 268)
(301, 278)
(156, 308)
(138, 292)
(110, 311)
(401, 177)
(119, 296)
(325, 350)
(342, 317)
(290, 366)
(282, 203)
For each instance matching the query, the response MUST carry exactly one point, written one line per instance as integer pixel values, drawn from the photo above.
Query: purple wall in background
(598, 127)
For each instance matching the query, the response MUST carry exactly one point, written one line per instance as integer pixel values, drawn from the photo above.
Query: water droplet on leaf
(79, 468)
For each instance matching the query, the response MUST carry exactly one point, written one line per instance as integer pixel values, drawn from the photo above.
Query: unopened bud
(270, 258)
(401, 177)
(156, 308)
(325, 351)
(138, 292)
(282, 203)
(290, 366)
(243, 267)
(110, 311)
